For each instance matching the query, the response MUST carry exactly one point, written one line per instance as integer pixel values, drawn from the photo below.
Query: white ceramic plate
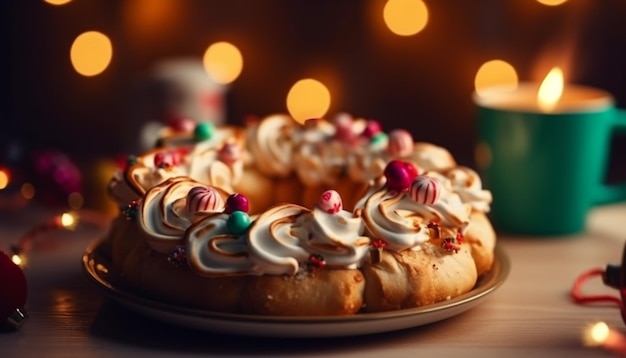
(96, 265)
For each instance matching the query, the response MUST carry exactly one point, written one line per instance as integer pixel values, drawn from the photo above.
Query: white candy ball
(330, 202)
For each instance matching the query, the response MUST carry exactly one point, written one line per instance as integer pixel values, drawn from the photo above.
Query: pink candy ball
(400, 143)
(330, 202)
(182, 124)
(425, 190)
(204, 199)
(229, 153)
(344, 127)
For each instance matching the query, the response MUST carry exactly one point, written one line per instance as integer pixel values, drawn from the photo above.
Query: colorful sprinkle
(316, 261)
(379, 244)
(434, 227)
(131, 160)
(131, 210)
(178, 257)
(459, 237)
(238, 222)
(449, 244)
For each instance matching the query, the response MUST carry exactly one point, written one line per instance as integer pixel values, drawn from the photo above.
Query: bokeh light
(551, 2)
(405, 17)
(4, 178)
(495, 73)
(57, 2)
(307, 99)
(223, 62)
(91, 53)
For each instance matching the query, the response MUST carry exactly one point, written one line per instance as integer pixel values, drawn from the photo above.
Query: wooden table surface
(530, 314)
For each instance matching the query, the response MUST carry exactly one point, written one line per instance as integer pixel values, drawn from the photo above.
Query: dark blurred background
(422, 82)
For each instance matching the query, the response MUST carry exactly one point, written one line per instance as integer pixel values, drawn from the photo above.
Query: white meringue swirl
(163, 215)
(338, 237)
(212, 250)
(466, 182)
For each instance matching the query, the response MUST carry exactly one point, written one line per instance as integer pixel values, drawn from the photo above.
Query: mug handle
(617, 192)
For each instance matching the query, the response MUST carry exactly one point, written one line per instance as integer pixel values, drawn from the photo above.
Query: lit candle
(551, 96)
(601, 335)
(543, 150)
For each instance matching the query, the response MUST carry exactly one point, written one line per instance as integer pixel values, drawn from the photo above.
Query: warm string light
(67, 221)
(599, 334)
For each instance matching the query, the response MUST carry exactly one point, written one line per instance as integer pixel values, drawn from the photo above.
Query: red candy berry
(372, 128)
(400, 175)
(236, 202)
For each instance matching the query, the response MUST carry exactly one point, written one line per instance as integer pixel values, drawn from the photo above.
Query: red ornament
(400, 175)
(13, 293)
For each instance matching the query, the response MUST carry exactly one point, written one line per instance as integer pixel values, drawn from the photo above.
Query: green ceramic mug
(546, 169)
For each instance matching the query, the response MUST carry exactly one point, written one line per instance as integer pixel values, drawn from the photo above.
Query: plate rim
(172, 313)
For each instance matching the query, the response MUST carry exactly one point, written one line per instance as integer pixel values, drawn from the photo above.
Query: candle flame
(551, 90)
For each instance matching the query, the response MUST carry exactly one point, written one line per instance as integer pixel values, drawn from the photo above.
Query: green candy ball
(238, 222)
(379, 139)
(204, 131)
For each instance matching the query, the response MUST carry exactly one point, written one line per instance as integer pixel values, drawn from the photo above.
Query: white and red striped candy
(400, 143)
(203, 199)
(425, 190)
(330, 202)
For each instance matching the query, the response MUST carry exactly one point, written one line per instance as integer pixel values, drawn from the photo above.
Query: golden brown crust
(416, 278)
(481, 237)
(143, 270)
(318, 292)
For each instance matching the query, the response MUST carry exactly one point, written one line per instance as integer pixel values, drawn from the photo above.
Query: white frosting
(273, 247)
(338, 237)
(282, 239)
(402, 222)
(163, 215)
(391, 216)
(212, 250)
(271, 146)
(466, 182)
